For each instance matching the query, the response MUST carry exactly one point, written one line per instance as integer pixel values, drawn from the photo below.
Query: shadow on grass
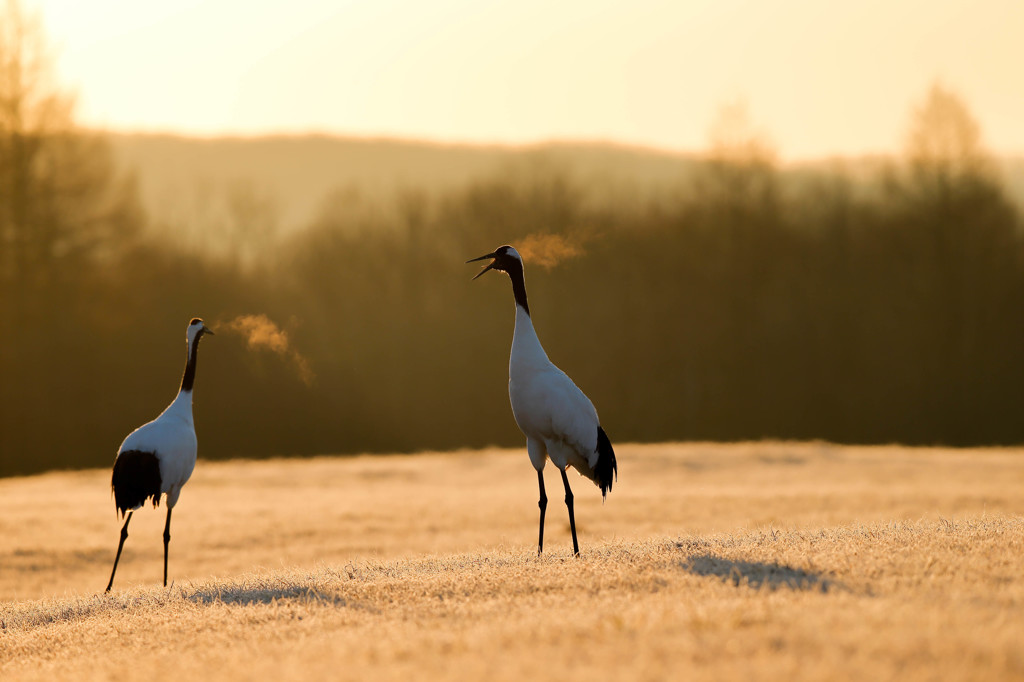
(31, 615)
(250, 595)
(758, 574)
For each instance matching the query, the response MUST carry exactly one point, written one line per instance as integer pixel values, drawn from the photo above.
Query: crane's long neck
(519, 288)
(189, 377)
(181, 406)
(526, 348)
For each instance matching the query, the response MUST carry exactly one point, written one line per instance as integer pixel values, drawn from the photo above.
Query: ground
(707, 562)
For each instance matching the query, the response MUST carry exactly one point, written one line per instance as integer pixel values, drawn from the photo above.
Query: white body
(558, 420)
(172, 438)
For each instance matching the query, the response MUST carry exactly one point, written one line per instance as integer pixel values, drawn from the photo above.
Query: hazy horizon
(541, 144)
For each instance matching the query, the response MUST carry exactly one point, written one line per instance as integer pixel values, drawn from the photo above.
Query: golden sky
(820, 77)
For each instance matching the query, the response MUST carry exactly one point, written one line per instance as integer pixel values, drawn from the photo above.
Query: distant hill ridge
(183, 179)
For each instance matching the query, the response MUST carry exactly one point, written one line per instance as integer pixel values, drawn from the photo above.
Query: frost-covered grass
(708, 562)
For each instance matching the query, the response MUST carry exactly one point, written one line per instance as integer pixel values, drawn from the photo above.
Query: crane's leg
(120, 546)
(167, 541)
(572, 517)
(543, 504)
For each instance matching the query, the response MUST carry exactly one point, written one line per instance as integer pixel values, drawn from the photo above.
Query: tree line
(736, 305)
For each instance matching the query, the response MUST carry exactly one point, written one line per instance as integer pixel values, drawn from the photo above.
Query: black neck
(515, 273)
(190, 366)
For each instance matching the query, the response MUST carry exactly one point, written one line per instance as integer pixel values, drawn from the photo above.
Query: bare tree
(64, 213)
(943, 146)
(741, 173)
(61, 202)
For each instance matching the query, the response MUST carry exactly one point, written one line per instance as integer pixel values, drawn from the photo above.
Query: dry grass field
(796, 561)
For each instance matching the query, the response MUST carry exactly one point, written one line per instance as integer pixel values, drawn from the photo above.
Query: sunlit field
(766, 560)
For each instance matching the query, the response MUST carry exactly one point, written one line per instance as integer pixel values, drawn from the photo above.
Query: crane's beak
(489, 265)
(207, 330)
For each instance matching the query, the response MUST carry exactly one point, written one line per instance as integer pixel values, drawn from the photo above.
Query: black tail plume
(136, 478)
(607, 468)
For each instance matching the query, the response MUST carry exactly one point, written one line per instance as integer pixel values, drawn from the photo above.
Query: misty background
(720, 295)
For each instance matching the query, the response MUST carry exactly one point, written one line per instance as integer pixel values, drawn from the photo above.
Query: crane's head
(196, 329)
(506, 259)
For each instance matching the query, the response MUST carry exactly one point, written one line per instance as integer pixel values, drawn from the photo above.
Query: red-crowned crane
(158, 457)
(558, 420)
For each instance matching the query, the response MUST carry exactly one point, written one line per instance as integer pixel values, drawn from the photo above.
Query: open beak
(488, 267)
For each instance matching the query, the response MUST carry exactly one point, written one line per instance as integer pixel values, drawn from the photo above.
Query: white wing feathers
(173, 440)
(548, 406)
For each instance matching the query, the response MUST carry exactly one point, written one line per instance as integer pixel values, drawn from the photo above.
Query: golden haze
(824, 78)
